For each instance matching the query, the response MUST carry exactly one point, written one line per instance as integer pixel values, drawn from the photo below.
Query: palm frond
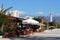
(2, 8)
(7, 9)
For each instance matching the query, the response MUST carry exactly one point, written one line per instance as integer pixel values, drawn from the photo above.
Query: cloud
(21, 12)
(17, 11)
(39, 12)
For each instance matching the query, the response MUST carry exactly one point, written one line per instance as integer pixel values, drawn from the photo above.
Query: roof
(11, 17)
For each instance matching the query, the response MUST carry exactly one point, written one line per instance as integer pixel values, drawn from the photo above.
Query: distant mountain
(57, 18)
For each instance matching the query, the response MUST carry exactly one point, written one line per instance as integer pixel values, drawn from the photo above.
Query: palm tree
(3, 18)
(37, 19)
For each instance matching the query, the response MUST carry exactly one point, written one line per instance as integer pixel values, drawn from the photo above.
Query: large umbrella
(30, 21)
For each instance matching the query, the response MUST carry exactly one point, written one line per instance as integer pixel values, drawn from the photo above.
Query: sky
(34, 7)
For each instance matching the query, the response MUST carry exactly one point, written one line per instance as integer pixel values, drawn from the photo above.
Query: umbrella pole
(47, 26)
(40, 27)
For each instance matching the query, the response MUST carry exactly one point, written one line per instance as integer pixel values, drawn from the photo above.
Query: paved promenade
(15, 39)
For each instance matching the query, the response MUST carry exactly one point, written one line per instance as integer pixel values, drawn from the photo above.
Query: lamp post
(47, 25)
